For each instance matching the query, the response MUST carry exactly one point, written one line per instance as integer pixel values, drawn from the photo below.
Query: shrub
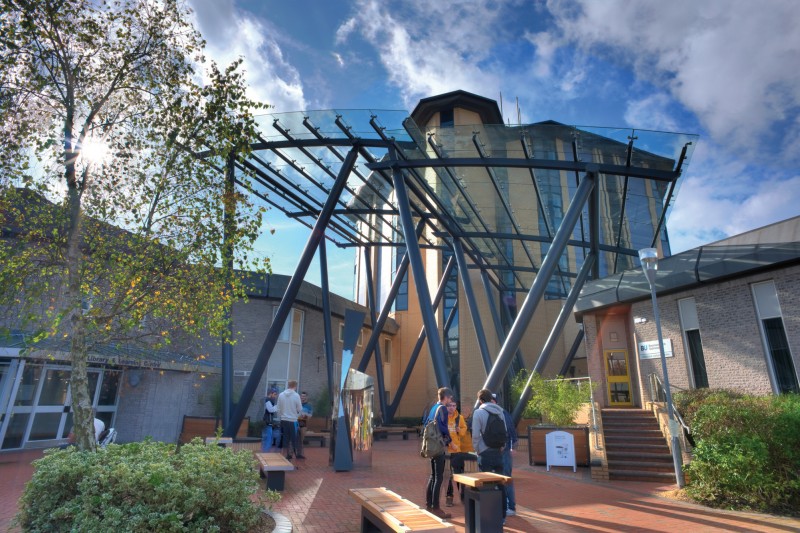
(518, 383)
(558, 400)
(144, 486)
(748, 452)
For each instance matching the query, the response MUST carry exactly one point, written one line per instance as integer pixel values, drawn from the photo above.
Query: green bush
(748, 452)
(144, 486)
(518, 383)
(558, 400)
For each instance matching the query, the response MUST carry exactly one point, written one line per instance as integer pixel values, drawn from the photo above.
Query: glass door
(618, 378)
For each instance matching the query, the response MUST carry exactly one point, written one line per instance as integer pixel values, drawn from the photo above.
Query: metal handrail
(658, 394)
(591, 403)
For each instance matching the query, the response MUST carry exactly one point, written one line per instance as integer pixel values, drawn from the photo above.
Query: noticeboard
(560, 449)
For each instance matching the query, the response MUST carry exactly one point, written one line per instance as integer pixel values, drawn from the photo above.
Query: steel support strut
(375, 332)
(572, 352)
(418, 269)
(537, 290)
(412, 360)
(555, 332)
(326, 316)
(317, 234)
(472, 304)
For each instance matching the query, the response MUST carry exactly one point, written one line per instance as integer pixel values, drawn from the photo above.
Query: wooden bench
(206, 426)
(384, 432)
(386, 511)
(313, 435)
(273, 467)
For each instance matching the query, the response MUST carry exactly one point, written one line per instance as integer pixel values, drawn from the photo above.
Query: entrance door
(618, 378)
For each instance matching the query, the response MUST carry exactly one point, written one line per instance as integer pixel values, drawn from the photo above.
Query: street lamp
(649, 259)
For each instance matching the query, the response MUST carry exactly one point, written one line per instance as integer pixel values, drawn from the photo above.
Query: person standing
(458, 430)
(270, 411)
(432, 492)
(508, 459)
(308, 411)
(289, 409)
(489, 459)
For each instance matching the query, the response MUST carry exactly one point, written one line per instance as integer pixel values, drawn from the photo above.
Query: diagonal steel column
(498, 326)
(472, 304)
(387, 307)
(375, 332)
(415, 258)
(317, 234)
(572, 351)
(550, 343)
(412, 360)
(539, 285)
(326, 316)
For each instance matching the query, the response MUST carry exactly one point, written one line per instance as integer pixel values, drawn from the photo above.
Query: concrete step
(632, 475)
(620, 432)
(629, 455)
(637, 447)
(641, 466)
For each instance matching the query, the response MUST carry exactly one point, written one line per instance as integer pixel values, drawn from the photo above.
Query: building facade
(729, 314)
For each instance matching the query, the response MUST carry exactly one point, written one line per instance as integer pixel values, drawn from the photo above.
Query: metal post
(420, 339)
(572, 352)
(463, 272)
(375, 332)
(498, 326)
(539, 285)
(317, 234)
(418, 269)
(326, 316)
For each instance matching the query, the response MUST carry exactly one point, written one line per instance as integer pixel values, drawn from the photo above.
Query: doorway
(618, 378)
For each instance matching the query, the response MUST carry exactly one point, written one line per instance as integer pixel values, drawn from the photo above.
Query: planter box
(537, 449)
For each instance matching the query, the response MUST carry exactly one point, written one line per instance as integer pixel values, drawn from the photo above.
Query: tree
(113, 151)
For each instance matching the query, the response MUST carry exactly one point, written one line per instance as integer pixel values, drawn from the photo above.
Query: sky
(728, 70)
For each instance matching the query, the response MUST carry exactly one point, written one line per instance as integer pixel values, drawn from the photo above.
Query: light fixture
(649, 259)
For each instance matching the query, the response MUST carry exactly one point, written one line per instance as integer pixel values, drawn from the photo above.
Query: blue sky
(728, 70)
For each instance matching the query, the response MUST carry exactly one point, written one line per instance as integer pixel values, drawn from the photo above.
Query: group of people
(285, 417)
(462, 439)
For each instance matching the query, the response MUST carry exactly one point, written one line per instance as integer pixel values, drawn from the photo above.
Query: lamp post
(649, 260)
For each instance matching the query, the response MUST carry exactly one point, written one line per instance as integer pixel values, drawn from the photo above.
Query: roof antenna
(519, 114)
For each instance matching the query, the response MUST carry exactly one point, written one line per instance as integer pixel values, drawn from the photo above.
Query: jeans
(435, 482)
(289, 437)
(266, 438)
(508, 463)
(491, 460)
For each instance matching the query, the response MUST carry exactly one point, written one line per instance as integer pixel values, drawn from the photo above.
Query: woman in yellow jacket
(460, 446)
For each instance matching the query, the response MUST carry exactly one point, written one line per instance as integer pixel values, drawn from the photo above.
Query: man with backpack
(438, 413)
(489, 436)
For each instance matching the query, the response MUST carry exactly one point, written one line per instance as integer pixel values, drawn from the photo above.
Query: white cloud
(430, 48)
(731, 62)
(232, 33)
(653, 111)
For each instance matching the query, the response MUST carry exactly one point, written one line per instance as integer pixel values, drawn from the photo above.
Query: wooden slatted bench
(386, 511)
(273, 467)
(384, 432)
(313, 435)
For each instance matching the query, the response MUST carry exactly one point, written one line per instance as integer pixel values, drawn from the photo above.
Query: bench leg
(405, 436)
(276, 480)
(370, 524)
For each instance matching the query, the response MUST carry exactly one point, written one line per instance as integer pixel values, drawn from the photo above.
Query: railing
(659, 394)
(595, 429)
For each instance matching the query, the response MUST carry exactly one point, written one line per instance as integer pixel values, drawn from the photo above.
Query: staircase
(635, 447)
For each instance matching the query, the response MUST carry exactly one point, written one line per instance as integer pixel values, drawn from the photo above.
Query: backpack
(495, 433)
(432, 443)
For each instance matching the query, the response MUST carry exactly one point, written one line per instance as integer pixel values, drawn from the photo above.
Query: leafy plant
(518, 383)
(322, 404)
(747, 454)
(558, 400)
(144, 486)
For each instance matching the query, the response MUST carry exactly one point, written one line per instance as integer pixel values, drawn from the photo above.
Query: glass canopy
(501, 189)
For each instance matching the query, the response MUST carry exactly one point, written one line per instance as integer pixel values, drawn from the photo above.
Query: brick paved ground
(316, 500)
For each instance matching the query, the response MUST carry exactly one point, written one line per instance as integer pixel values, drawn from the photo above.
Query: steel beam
(228, 228)
(572, 352)
(317, 234)
(375, 332)
(472, 304)
(392, 409)
(537, 290)
(415, 258)
(326, 316)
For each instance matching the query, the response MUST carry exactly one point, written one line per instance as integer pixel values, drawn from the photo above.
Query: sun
(95, 151)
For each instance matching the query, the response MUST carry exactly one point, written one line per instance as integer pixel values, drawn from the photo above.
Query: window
(446, 119)
(779, 356)
(694, 346)
(387, 350)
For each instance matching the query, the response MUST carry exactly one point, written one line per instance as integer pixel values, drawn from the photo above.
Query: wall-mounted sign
(649, 349)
